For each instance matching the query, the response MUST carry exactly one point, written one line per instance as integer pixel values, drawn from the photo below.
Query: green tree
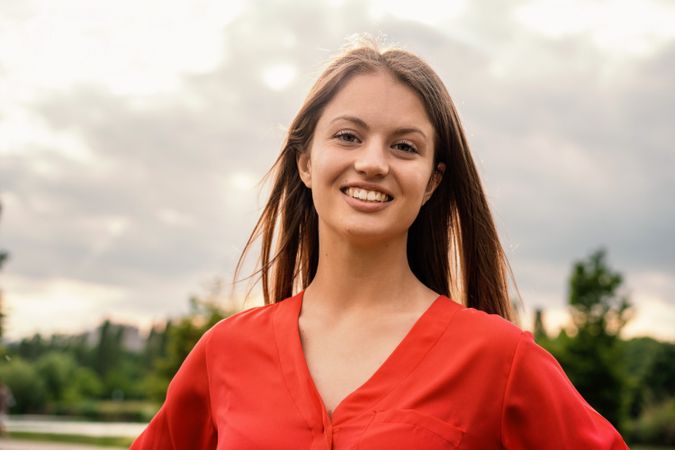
(179, 338)
(661, 375)
(56, 371)
(539, 328)
(118, 368)
(156, 343)
(108, 348)
(28, 388)
(598, 306)
(84, 385)
(33, 347)
(3, 315)
(642, 356)
(3, 258)
(592, 357)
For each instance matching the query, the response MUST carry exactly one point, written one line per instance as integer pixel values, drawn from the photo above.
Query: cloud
(146, 181)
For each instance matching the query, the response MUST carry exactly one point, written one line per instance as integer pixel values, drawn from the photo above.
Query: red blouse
(460, 379)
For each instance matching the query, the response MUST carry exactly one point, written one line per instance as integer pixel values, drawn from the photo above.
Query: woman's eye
(346, 136)
(405, 147)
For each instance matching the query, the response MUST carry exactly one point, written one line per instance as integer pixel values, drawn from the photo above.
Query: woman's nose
(371, 160)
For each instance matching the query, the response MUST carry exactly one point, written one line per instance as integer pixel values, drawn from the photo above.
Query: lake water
(60, 425)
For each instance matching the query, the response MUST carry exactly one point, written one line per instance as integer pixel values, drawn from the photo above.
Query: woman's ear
(305, 168)
(434, 181)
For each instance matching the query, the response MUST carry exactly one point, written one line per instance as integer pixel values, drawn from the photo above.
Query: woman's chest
(271, 408)
(341, 360)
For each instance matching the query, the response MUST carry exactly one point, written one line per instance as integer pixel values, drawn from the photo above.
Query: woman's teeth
(368, 196)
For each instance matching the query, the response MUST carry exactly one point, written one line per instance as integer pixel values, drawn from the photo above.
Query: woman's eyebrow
(362, 124)
(408, 130)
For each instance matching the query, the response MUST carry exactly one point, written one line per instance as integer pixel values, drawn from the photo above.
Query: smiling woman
(370, 170)
(386, 317)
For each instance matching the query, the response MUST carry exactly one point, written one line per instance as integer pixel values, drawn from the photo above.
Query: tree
(27, 387)
(539, 328)
(592, 357)
(32, 348)
(56, 370)
(178, 339)
(3, 315)
(661, 376)
(3, 258)
(650, 365)
(598, 308)
(108, 348)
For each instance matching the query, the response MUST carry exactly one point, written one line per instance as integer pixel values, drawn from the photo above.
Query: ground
(9, 444)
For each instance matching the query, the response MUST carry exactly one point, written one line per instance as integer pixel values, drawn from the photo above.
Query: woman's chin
(363, 231)
(370, 236)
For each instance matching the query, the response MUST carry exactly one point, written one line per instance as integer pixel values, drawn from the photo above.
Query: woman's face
(370, 163)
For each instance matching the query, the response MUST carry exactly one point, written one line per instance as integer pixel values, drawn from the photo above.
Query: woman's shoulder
(479, 328)
(248, 323)
(249, 317)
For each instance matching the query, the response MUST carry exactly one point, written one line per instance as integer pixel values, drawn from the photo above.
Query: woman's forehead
(378, 99)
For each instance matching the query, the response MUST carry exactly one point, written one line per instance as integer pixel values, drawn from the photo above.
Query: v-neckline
(424, 333)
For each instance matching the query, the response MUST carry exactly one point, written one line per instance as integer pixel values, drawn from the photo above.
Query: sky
(134, 135)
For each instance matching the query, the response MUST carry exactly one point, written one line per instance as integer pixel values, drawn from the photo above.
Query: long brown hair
(452, 247)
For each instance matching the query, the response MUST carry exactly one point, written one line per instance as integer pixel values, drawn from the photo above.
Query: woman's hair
(453, 247)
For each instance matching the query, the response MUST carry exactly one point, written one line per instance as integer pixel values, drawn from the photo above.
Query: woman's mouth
(366, 195)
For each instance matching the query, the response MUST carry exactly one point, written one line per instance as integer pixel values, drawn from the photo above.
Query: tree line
(78, 375)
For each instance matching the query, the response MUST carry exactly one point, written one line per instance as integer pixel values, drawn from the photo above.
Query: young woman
(377, 216)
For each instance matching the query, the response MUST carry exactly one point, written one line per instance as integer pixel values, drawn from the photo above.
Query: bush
(108, 410)
(56, 370)
(28, 388)
(85, 386)
(656, 424)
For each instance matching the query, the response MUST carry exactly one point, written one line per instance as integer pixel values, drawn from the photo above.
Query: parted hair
(452, 247)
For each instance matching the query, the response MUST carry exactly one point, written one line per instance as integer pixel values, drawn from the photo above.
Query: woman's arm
(542, 409)
(184, 421)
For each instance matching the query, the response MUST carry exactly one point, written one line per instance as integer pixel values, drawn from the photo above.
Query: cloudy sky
(133, 136)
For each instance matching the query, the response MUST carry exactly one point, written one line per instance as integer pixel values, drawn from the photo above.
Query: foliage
(631, 382)
(656, 425)
(539, 329)
(3, 258)
(3, 315)
(178, 340)
(648, 369)
(599, 309)
(596, 371)
(99, 441)
(650, 366)
(108, 410)
(28, 388)
(95, 375)
(592, 355)
(56, 370)
(592, 358)
(109, 348)
(85, 384)
(661, 375)
(651, 369)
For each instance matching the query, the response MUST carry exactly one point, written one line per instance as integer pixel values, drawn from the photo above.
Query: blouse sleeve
(542, 409)
(184, 421)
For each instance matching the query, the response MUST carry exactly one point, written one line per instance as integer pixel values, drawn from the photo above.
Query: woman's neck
(353, 279)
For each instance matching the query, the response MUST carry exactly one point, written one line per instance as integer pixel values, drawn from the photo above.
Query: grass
(649, 447)
(103, 441)
(108, 410)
